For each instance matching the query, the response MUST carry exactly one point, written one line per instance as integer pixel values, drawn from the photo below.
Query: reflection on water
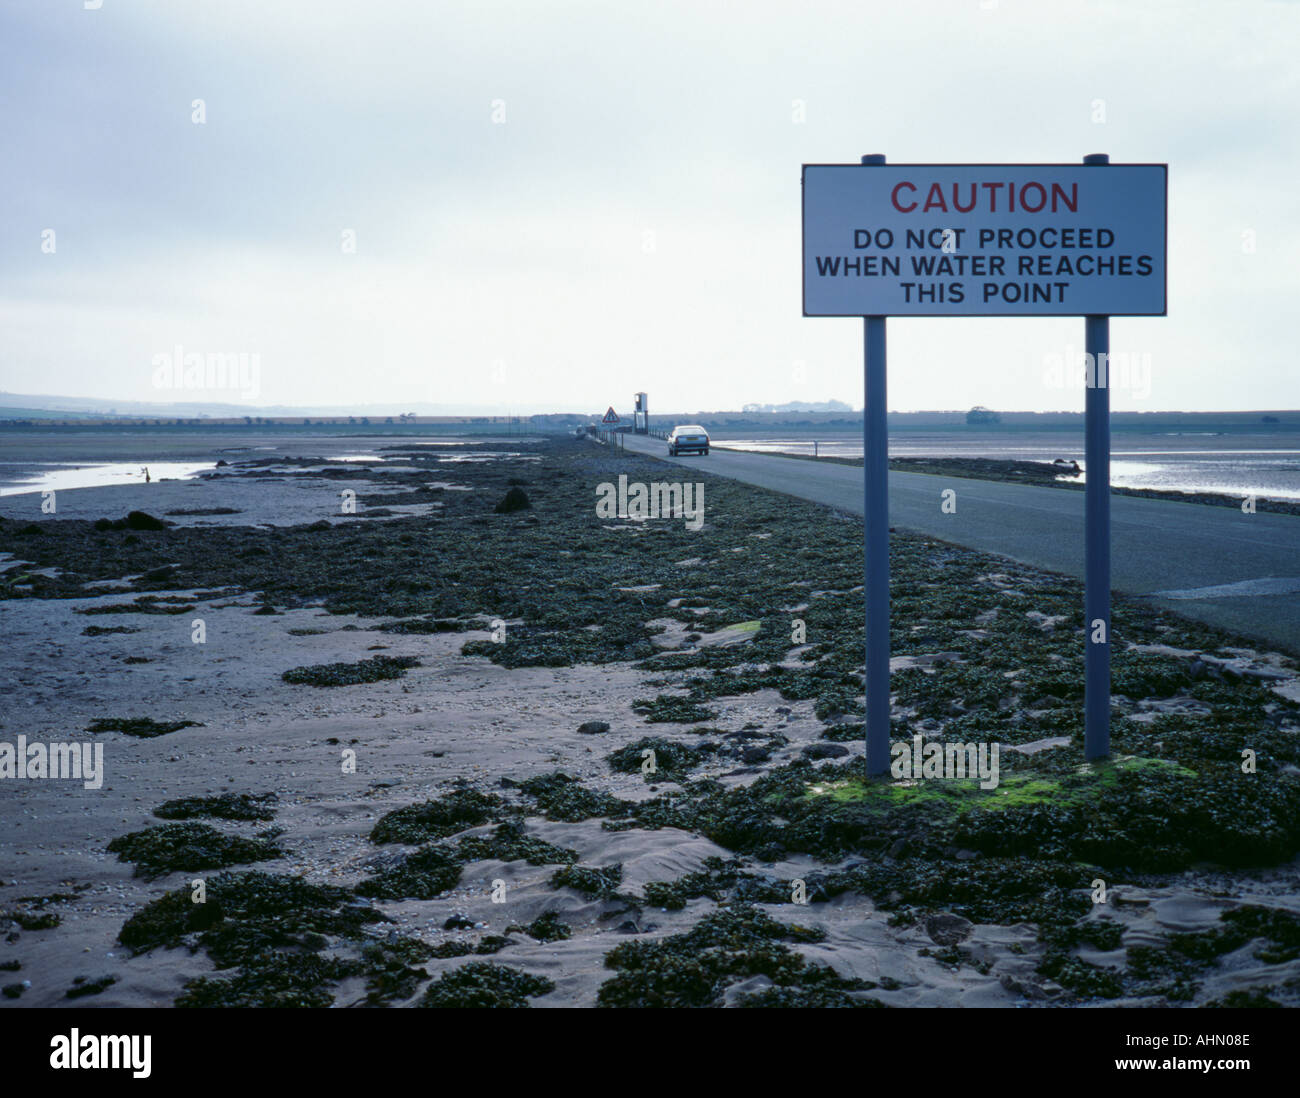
(66, 476)
(1270, 473)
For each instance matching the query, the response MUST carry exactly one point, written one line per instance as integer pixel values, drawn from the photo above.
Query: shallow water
(17, 478)
(1142, 461)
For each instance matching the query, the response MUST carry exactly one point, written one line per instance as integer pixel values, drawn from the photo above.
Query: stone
(947, 929)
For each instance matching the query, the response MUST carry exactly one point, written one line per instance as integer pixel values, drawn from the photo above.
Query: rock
(629, 926)
(222, 463)
(593, 728)
(515, 500)
(458, 921)
(752, 755)
(825, 751)
(947, 929)
(1017, 987)
(142, 520)
(898, 848)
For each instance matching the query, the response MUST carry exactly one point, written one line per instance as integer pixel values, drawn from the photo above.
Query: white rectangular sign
(984, 239)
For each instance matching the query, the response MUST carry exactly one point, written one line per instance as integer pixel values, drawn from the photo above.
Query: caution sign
(611, 416)
(984, 239)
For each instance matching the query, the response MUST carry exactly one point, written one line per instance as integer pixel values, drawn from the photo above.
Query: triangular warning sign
(611, 416)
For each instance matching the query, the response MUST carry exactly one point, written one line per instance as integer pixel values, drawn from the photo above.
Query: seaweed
(436, 867)
(672, 760)
(222, 806)
(189, 847)
(81, 986)
(562, 797)
(458, 810)
(695, 968)
(545, 928)
(508, 843)
(483, 984)
(592, 881)
(375, 669)
(423, 875)
(143, 727)
(389, 968)
(272, 928)
(675, 710)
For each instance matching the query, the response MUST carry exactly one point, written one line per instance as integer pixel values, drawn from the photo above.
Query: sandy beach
(431, 800)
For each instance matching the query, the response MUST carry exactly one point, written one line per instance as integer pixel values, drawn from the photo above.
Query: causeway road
(1217, 565)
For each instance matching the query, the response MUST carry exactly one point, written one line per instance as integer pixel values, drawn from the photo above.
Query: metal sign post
(1096, 541)
(985, 240)
(875, 534)
(1096, 489)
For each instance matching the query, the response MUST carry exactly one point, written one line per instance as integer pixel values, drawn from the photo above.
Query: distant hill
(43, 413)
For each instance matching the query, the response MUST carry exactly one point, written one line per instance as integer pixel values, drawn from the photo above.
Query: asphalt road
(1214, 564)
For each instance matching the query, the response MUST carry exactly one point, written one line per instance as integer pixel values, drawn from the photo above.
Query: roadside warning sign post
(985, 240)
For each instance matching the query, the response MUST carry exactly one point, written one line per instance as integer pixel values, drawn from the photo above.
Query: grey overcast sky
(558, 204)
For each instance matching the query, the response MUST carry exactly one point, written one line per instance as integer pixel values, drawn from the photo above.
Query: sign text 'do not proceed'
(984, 240)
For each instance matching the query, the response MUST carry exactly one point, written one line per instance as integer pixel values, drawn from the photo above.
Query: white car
(691, 438)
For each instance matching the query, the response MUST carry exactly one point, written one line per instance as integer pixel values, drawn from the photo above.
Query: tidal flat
(413, 734)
